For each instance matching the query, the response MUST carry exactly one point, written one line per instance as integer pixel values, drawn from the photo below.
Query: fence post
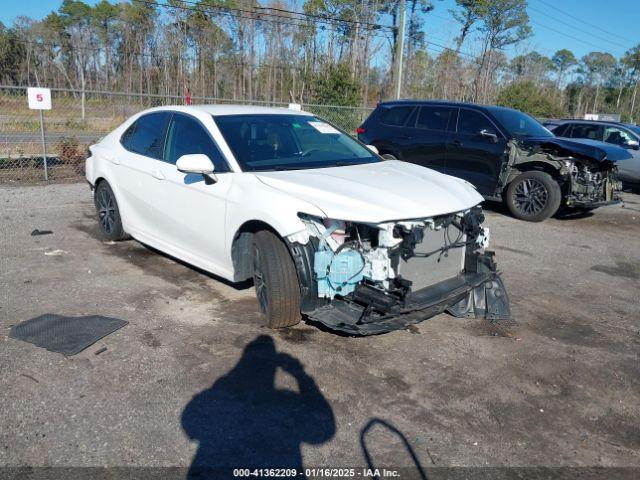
(44, 147)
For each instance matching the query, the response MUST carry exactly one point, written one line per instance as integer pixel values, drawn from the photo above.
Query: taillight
(360, 130)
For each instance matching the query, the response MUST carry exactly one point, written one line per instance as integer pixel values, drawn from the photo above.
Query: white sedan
(324, 226)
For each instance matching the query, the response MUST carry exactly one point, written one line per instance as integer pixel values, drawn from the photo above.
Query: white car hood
(376, 192)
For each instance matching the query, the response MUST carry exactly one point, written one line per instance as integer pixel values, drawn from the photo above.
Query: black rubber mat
(66, 335)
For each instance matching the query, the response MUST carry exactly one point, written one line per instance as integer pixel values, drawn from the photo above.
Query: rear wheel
(275, 280)
(533, 196)
(108, 213)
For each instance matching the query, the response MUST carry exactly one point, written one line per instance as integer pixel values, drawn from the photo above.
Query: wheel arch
(301, 254)
(532, 166)
(241, 247)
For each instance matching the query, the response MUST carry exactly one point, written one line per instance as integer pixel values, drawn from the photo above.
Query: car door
(389, 131)
(476, 150)
(424, 142)
(193, 220)
(136, 166)
(628, 170)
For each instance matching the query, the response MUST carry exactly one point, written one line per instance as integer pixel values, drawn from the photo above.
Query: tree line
(338, 52)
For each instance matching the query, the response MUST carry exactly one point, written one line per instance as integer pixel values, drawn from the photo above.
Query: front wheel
(275, 280)
(533, 196)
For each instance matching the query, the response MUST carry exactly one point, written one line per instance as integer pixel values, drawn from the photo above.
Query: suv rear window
(396, 115)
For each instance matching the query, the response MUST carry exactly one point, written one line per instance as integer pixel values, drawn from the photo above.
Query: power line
(296, 22)
(578, 28)
(317, 18)
(598, 27)
(584, 42)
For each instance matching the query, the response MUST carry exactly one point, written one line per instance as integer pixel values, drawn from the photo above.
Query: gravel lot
(195, 374)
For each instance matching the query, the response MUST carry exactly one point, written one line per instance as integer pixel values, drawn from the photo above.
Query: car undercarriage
(365, 279)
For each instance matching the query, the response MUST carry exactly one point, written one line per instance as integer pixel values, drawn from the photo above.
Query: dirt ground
(195, 379)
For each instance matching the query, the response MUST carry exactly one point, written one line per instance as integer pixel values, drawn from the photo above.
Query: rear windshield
(265, 142)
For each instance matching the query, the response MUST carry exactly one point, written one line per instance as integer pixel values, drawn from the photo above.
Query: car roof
(562, 121)
(447, 103)
(221, 110)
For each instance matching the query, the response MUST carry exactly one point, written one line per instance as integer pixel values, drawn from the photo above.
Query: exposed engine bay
(585, 173)
(370, 278)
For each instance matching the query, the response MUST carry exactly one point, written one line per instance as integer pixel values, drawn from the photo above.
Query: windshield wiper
(282, 168)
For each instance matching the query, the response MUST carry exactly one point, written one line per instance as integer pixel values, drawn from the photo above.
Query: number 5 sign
(39, 98)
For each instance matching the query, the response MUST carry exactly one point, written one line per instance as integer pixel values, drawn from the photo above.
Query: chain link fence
(76, 121)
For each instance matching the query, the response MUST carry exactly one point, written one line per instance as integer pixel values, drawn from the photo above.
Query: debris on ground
(37, 232)
(55, 253)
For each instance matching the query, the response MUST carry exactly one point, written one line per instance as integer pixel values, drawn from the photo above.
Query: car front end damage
(365, 279)
(589, 184)
(586, 170)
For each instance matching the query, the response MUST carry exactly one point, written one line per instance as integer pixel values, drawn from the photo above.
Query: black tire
(108, 213)
(533, 196)
(276, 281)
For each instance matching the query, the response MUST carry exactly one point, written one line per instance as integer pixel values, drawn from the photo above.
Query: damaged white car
(322, 224)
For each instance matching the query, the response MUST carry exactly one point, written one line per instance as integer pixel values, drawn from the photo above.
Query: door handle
(157, 174)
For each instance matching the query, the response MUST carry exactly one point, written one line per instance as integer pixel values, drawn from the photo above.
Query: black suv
(506, 154)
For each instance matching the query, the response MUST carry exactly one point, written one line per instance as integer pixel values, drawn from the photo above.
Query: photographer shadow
(244, 422)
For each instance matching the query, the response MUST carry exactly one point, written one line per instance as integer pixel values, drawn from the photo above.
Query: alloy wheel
(530, 196)
(106, 210)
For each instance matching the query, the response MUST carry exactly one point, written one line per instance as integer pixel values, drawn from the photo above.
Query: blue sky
(556, 24)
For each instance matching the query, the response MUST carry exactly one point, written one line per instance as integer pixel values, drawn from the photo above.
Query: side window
(186, 135)
(146, 135)
(396, 115)
(125, 140)
(617, 136)
(471, 122)
(560, 130)
(434, 118)
(584, 130)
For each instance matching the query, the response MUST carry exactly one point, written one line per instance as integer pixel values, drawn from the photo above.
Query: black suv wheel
(533, 196)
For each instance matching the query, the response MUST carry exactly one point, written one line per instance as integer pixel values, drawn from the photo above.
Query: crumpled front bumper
(479, 292)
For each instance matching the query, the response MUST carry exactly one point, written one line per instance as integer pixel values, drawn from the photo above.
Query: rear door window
(434, 118)
(583, 130)
(146, 135)
(396, 116)
(187, 135)
(472, 122)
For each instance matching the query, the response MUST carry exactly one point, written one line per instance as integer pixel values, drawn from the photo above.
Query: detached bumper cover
(480, 294)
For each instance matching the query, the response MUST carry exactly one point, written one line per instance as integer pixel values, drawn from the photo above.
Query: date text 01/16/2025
(317, 473)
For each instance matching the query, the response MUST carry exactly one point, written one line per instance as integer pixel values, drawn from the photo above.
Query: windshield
(634, 128)
(289, 142)
(520, 124)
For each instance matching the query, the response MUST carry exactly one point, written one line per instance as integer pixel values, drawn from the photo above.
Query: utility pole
(400, 47)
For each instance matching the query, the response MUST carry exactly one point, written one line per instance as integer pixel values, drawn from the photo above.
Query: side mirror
(373, 149)
(195, 163)
(486, 133)
(634, 144)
